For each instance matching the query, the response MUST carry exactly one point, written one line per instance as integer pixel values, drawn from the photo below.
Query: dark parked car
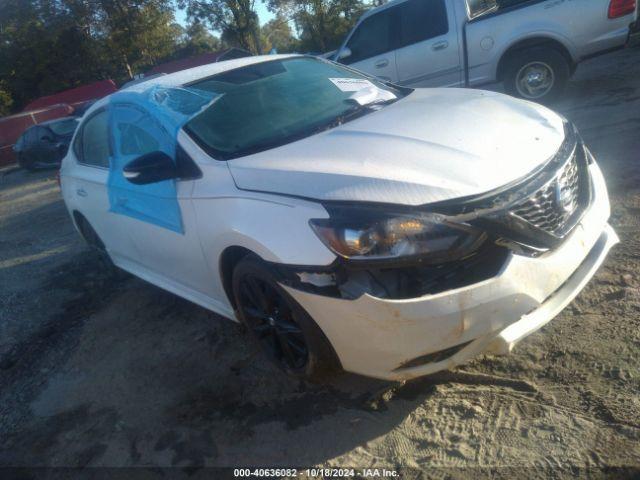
(44, 145)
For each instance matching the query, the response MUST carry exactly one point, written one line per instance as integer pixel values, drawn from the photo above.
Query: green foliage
(276, 34)
(51, 45)
(42, 49)
(237, 20)
(322, 24)
(136, 32)
(196, 39)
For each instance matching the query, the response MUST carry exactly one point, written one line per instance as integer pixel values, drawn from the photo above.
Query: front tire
(537, 74)
(283, 330)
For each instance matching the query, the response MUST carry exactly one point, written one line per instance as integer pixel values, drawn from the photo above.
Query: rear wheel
(281, 327)
(538, 74)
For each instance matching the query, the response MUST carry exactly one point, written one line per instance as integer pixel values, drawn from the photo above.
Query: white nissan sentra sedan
(348, 223)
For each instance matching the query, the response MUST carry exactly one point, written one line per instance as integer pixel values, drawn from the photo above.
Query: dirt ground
(97, 370)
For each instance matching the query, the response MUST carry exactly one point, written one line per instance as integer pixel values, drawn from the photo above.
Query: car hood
(433, 145)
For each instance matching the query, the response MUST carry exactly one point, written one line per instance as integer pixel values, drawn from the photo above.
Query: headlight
(368, 235)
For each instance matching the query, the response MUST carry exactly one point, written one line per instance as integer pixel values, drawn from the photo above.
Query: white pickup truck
(533, 46)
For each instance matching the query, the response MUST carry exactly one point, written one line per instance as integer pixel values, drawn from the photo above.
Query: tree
(138, 32)
(321, 24)
(237, 20)
(277, 34)
(50, 45)
(197, 39)
(43, 49)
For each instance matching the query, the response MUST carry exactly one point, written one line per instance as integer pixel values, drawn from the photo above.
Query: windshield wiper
(354, 112)
(351, 114)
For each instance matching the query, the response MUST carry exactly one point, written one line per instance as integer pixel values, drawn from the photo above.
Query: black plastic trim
(186, 168)
(434, 357)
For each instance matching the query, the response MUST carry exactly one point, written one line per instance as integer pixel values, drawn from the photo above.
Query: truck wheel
(283, 330)
(539, 74)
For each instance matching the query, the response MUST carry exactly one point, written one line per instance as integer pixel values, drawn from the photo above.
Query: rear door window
(422, 20)
(374, 36)
(94, 145)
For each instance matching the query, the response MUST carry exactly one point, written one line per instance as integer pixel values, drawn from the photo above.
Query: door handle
(81, 192)
(440, 45)
(381, 63)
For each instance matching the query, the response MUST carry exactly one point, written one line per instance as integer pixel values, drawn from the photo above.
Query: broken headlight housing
(379, 236)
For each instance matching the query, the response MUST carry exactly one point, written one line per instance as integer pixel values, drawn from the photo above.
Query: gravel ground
(103, 370)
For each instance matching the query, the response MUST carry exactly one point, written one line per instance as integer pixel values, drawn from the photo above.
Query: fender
(507, 38)
(541, 36)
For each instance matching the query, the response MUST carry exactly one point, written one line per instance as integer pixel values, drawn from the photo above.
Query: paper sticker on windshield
(351, 84)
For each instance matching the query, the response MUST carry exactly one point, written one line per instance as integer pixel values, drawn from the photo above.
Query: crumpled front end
(494, 304)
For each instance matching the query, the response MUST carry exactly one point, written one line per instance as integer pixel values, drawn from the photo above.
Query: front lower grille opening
(420, 280)
(432, 357)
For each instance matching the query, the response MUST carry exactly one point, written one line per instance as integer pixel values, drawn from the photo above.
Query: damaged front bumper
(399, 339)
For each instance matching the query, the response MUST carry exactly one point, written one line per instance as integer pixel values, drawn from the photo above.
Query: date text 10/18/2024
(315, 472)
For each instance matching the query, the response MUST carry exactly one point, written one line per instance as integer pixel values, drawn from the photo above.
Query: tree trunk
(127, 66)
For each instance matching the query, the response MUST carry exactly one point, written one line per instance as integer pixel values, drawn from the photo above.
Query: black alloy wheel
(273, 322)
(280, 326)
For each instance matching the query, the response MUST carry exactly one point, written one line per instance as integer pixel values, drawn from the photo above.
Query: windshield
(269, 104)
(64, 127)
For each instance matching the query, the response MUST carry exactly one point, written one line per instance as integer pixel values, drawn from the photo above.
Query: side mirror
(150, 168)
(343, 53)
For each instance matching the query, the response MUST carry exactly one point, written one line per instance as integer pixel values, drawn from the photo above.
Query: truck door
(371, 45)
(428, 53)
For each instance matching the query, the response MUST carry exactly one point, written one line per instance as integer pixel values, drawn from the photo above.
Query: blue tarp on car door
(143, 122)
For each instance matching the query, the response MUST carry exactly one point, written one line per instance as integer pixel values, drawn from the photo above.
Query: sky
(263, 14)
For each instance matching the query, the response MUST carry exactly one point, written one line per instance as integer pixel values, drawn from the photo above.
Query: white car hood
(433, 145)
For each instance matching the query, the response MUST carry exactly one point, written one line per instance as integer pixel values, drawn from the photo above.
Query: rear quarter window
(92, 142)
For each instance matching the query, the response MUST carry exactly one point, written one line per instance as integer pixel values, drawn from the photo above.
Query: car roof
(183, 77)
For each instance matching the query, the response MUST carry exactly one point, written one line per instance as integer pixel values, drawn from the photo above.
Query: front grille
(533, 215)
(551, 207)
